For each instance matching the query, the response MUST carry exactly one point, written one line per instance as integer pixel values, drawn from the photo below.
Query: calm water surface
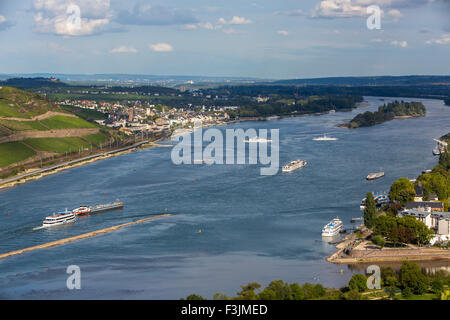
(254, 228)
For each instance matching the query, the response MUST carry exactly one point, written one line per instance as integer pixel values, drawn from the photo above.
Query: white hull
(294, 165)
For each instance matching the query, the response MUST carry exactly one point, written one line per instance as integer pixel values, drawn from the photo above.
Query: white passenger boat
(325, 138)
(332, 228)
(294, 165)
(59, 218)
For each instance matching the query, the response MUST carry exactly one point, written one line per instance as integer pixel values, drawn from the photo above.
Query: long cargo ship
(85, 210)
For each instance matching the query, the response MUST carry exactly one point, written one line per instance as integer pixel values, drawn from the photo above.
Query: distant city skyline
(260, 39)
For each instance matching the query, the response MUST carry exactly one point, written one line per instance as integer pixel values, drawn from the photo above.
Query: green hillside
(23, 104)
(18, 108)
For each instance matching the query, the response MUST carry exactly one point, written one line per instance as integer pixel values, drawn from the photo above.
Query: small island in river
(387, 112)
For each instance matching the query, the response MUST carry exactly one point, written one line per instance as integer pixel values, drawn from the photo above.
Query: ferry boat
(374, 176)
(85, 210)
(59, 218)
(332, 228)
(325, 138)
(294, 165)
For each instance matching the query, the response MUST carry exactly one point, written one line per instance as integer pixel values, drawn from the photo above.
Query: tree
(389, 277)
(412, 278)
(352, 295)
(379, 240)
(297, 292)
(194, 297)
(370, 210)
(403, 191)
(437, 285)
(220, 296)
(358, 282)
(248, 291)
(312, 291)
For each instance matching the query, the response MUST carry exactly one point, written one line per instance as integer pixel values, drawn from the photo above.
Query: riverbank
(367, 252)
(35, 174)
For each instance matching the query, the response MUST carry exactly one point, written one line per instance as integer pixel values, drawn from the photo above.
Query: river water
(254, 228)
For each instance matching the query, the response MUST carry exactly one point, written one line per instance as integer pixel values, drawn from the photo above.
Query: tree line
(388, 112)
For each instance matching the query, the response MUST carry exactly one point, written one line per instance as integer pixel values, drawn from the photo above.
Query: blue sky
(261, 38)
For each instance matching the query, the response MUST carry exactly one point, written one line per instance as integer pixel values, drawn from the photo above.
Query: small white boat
(325, 138)
(374, 176)
(59, 218)
(257, 140)
(332, 228)
(294, 165)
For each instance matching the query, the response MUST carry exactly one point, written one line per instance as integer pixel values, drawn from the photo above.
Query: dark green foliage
(358, 282)
(370, 210)
(194, 297)
(402, 191)
(389, 277)
(412, 278)
(388, 112)
(402, 230)
(379, 240)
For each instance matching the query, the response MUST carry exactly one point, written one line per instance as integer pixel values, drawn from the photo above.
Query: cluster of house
(431, 213)
(148, 118)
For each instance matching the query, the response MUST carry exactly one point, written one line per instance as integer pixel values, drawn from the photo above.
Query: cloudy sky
(261, 38)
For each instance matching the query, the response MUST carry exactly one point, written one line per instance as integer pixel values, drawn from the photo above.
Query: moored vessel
(332, 228)
(294, 165)
(59, 218)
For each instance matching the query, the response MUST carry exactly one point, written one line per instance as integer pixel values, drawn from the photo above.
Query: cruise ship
(294, 165)
(85, 210)
(332, 228)
(59, 218)
(325, 138)
(374, 176)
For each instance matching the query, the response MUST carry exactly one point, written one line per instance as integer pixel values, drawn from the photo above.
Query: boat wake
(38, 228)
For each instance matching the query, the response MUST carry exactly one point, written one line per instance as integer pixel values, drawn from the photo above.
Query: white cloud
(283, 32)
(161, 47)
(189, 27)
(377, 40)
(124, 49)
(398, 43)
(235, 20)
(445, 39)
(2, 19)
(59, 16)
(394, 13)
(57, 47)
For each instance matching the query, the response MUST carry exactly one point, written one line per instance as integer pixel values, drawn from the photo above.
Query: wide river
(253, 227)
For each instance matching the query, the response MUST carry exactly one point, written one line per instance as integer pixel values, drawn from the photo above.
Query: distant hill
(370, 81)
(31, 83)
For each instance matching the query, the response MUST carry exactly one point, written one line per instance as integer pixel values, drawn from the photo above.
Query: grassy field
(59, 145)
(12, 152)
(22, 104)
(86, 114)
(61, 122)
(22, 125)
(96, 138)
